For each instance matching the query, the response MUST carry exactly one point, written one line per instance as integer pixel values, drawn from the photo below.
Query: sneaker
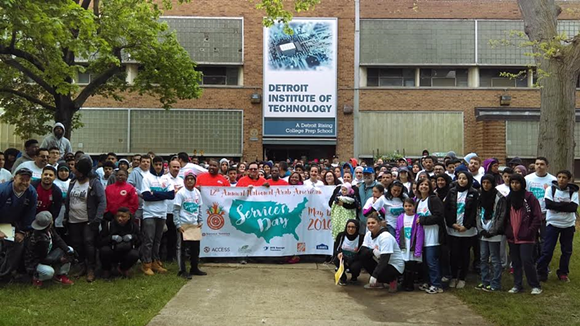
(511, 270)
(424, 287)
(515, 290)
(543, 278)
(63, 279)
(341, 283)
(36, 283)
(480, 286)
(460, 284)
(293, 260)
(564, 278)
(376, 286)
(453, 283)
(536, 291)
(444, 279)
(490, 289)
(393, 287)
(434, 290)
(354, 279)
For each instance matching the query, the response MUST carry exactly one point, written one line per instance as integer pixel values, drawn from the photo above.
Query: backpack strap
(571, 193)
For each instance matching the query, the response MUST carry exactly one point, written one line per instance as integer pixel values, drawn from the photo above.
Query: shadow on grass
(132, 301)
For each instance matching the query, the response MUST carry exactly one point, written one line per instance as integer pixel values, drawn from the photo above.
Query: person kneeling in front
(381, 256)
(119, 243)
(46, 253)
(187, 218)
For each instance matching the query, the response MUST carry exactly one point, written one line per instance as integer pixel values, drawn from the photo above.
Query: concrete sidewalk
(302, 294)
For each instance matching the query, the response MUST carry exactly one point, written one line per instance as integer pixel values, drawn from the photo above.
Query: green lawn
(131, 301)
(559, 304)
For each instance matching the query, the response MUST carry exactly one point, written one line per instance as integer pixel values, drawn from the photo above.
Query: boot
(157, 268)
(195, 269)
(90, 275)
(146, 268)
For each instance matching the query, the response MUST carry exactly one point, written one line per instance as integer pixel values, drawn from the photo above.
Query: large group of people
(408, 223)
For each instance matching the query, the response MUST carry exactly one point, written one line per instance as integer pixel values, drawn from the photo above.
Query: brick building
(410, 75)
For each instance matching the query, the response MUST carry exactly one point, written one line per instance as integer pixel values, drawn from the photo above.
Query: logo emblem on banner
(215, 217)
(301, 247)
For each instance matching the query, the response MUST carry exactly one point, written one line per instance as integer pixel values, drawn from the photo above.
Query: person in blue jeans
(491, 211)
(561, 205)
(430, 211)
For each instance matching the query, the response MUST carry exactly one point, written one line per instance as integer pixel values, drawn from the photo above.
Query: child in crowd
(392, 204)
(378, 191)
(186, 213)
(119, 242)
(343, 208)
(410, 237)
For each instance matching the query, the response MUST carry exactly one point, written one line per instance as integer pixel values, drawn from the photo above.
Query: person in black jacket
(119, 243)
(46, 253)
(460, 211)
(346, 247)
(380, 255)
(430, 211)
(49, 194)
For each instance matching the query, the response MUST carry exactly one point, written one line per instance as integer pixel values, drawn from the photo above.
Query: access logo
(215, 217)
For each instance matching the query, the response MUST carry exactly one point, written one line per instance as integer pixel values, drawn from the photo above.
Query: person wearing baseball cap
(187, 214)
(365, 190)
(46, 253)
(17, 207)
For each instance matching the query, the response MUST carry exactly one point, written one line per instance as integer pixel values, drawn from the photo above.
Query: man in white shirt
(313, 172)
(183, 160)
(561, 200)
(136, 180)
(5, 175)
(475, 168)
(169, 239)
(37, 164)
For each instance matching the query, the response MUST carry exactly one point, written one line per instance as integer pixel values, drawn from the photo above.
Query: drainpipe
(356, 127)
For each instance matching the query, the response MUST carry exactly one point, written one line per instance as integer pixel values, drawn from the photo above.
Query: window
(444, 77)
(391, 77)
(84, 78)
(216, 75)
(492, 78)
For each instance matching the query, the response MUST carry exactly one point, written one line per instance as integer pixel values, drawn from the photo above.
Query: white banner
(300, 69)
(275, 221)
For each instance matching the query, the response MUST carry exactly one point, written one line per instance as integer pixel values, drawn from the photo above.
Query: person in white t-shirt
(381, 256)
(491, 213)
(561, 200)
(410, 237)
(313, 172)
(5, 175)
(38, 163)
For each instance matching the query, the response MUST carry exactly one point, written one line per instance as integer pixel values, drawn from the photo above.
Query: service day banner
(300, 69)
(274, 221)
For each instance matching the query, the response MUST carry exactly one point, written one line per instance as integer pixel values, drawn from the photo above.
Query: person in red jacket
(276, 180)
(524, 217)
(212, 177)
(120, 194)
(252, 179)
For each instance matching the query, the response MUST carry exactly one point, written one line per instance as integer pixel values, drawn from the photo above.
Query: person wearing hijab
(520, 169)
(493, 169)
(346, 247)
(491, 211)
(460, 211)
(443, 182)
(524, 217)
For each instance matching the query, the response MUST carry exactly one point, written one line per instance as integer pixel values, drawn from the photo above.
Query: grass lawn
(131, 301)
(559, 304)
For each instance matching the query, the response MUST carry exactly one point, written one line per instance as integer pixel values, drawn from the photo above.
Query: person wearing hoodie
(460, 211)
(121, 194)
(57, 139)
(62, 182)
(380, 256)
(410, 237)
(30, 148)
(524, 217)
(561, 205)
(491, 210)
(118, 243)
(85, 205)
(346, 247)
(155, 191)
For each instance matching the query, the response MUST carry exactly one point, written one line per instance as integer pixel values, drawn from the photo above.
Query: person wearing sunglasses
(38, 163)
(253, 179)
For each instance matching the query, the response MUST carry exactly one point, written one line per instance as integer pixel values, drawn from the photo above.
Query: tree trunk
(558, 92)
(65, 110)
(557, 116)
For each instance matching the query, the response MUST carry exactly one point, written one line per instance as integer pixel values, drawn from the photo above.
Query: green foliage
(276, 12)
(393, 156)
(44, 45)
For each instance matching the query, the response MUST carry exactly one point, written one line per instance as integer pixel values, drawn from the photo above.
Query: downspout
(356, 127)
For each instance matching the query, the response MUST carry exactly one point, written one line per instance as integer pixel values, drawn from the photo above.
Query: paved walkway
(302, 294)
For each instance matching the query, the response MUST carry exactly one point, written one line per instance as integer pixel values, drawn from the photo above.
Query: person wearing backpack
(561, 200)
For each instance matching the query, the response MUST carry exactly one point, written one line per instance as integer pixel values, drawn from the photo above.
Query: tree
(44, 45)
(558, 58)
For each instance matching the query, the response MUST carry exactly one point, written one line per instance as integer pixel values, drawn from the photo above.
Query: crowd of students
(402, 222)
